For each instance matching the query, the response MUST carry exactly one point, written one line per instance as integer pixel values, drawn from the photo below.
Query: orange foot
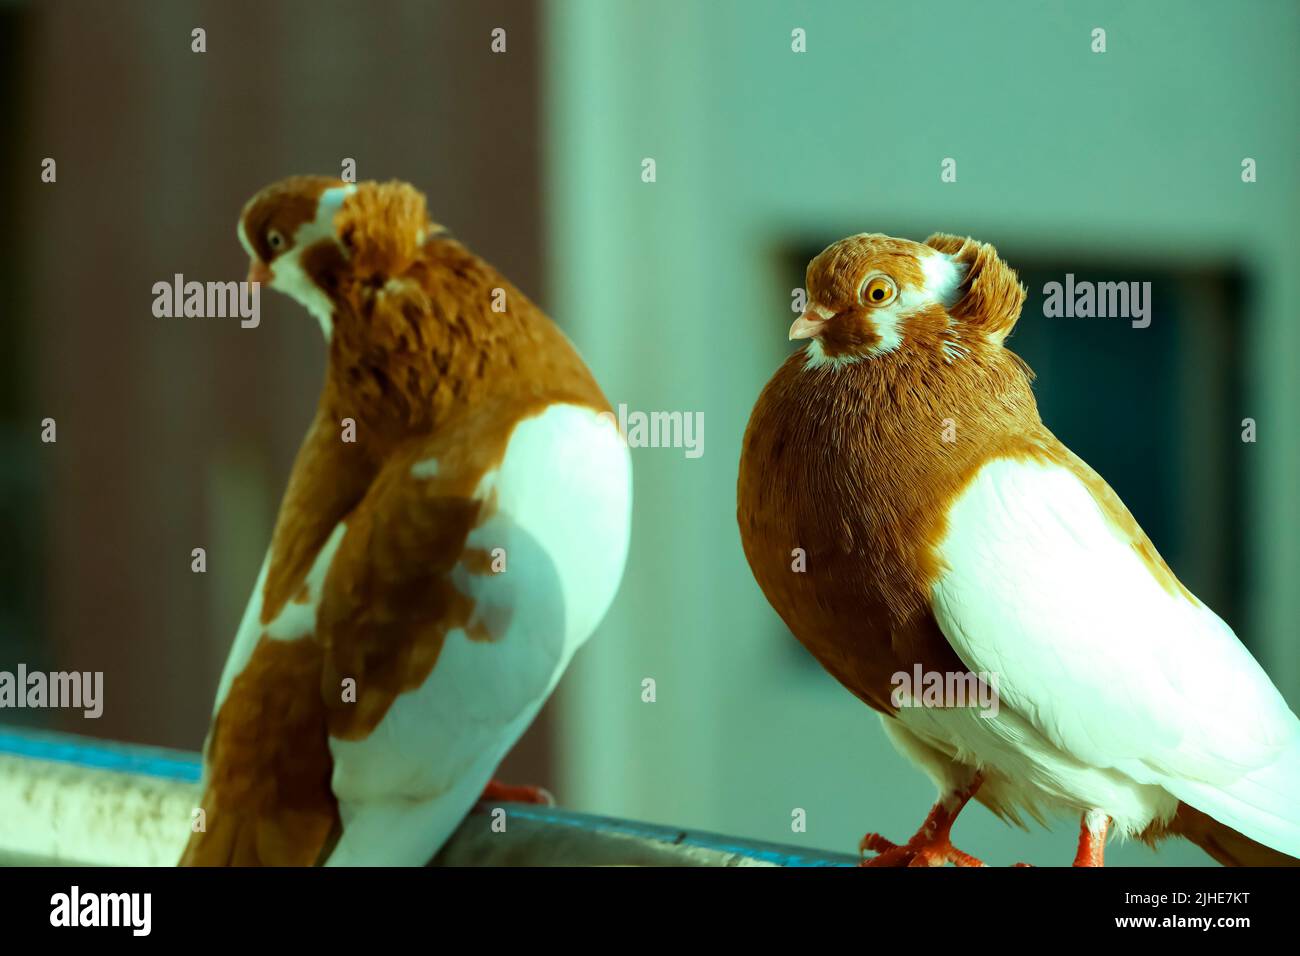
(1092, 840)
(931, 845)
(915, 852)
(498, 792)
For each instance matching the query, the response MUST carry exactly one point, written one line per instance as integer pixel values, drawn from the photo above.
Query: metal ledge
(67, 800)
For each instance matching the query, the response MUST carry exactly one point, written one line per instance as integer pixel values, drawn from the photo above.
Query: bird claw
(916, 852)
(875, 843)
(498, 792)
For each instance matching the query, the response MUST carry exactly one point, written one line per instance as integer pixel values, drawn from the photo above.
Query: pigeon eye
(275, 240)
(878, 290)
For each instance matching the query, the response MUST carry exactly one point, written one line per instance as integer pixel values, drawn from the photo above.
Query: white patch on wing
(1115, 694)
(562, 497)
(295, 621)
(536, 502)
(298, 619)
(425, 469)
(246, 637)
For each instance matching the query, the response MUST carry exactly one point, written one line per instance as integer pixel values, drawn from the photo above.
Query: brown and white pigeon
(454, 528)
(939, 528)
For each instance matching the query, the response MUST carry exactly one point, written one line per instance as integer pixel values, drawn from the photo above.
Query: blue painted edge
(764, 852)
(102, 755)
(179, 765)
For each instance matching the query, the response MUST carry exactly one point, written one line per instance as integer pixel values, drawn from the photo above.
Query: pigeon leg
(1092, 839)
(930, 846)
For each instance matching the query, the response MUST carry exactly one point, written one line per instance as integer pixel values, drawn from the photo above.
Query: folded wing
(1048, 583)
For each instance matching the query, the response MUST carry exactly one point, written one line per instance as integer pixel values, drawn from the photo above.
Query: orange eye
(878, 290)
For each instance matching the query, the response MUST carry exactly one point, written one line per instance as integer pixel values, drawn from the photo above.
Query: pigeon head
(871, 294)
(282, 226)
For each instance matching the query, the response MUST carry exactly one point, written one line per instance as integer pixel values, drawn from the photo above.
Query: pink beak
(807, 326)
(259, 271)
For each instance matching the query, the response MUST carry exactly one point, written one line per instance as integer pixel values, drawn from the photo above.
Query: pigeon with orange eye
(948, 533)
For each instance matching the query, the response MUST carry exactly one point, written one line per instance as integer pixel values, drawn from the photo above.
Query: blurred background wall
(174, 433)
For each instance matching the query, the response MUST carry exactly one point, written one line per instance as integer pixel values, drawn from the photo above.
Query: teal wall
(678, 294)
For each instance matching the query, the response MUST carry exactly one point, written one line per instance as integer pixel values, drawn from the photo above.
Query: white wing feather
(562, 514)
(1042, 589)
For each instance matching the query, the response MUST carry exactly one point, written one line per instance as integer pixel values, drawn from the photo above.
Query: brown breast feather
(849, 464)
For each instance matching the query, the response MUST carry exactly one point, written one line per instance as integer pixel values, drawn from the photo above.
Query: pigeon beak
(259, 271)
(807, 326)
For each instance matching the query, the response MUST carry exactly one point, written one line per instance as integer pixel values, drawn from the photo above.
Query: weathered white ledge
(73, 801)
